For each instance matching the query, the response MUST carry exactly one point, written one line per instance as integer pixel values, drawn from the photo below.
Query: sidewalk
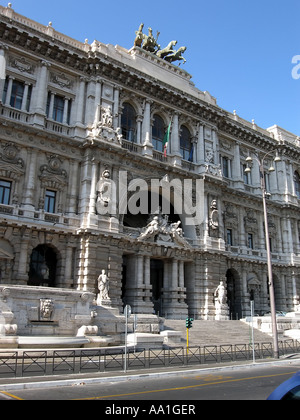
(9, 384)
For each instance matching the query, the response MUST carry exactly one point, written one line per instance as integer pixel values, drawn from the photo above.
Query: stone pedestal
(104, 302)
(222, 312)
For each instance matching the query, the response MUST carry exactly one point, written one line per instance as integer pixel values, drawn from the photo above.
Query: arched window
(158, 133)
(186, 146)
(297, 184)
(128, 122)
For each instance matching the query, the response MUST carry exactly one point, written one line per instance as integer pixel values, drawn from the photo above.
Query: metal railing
(21, 363)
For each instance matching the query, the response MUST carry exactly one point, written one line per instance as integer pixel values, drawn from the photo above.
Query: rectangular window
(50, 199)
(17, 91)
(5, 192)
(246, 175)
(250, 241)
(226, 166)
(17, 94)
(229, 237)
(58, 109)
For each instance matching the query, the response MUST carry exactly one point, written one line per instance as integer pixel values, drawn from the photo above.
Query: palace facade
(86, 185)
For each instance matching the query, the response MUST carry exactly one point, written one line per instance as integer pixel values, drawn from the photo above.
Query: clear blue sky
(238, 50)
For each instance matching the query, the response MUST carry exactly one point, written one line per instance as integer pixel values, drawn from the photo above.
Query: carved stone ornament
(104, 128)
(61, 80)
(159, 229)
(22, 64)
(10, 155)
(46, 309)
(53, 172)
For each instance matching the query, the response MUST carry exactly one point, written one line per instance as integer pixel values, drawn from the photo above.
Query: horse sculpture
(176, 55)
(139, 36)
(166, 51)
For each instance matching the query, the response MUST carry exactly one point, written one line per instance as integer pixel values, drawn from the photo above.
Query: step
(216, 332)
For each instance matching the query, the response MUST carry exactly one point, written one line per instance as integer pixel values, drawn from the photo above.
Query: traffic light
(188, 322)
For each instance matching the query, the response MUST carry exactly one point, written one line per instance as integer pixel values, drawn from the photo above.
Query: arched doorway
(233, 294)
(42, 269)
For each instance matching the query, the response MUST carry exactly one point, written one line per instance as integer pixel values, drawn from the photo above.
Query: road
(227, 384)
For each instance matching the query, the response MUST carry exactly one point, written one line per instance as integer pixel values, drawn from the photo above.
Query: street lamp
(268, 249)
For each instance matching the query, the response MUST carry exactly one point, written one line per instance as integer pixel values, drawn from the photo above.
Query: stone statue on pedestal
(220, 302)
(103, 287)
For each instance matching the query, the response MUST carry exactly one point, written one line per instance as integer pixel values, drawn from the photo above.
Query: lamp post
(268, 248)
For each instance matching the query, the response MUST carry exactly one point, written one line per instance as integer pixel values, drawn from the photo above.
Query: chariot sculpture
(150, 44)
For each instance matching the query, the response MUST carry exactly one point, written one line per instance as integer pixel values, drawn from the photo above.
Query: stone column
(22, 275)
(236, 166)
(296, 293)
(139, 121)
(80, 102)
(85, 190)
(3, 48)
(87, 263)
(9, 90)
(25, 97)
(200, 146)
(148, 286)
(51, 106)
(92, 203)
(29, 193)
(90, 103)
(215, 146)
(41, 94)
(116, 108)
(174, 305)
(97, 102)
(281, 177)
(140, 271)
(66, 109)
(181, 274)
(68, 278)
(72, 188)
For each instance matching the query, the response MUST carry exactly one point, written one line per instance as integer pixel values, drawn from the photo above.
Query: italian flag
(166, 139)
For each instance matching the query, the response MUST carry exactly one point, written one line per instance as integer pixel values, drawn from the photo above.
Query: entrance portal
(233, 294)
(43, 263)
(156, 280)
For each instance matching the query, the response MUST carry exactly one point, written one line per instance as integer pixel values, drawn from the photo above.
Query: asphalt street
(235, 382)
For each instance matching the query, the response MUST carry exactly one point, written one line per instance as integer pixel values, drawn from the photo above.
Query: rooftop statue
(166, 51)
(139, 36)
(149, 43)
(176, 55)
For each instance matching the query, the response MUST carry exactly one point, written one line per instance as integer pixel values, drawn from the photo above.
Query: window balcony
(58, 128)
(15, 114)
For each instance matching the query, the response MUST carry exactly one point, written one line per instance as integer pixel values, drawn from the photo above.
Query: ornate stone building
(85, 184)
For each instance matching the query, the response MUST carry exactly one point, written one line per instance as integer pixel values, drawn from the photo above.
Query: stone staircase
(206, 333)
